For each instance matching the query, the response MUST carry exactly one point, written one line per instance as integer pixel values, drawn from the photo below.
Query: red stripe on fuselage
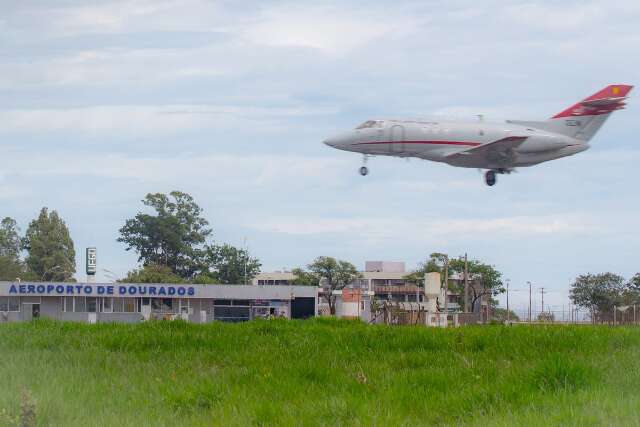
(468, 144)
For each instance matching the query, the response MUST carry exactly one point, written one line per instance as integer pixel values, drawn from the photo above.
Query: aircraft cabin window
(367, 124)
(370, 124)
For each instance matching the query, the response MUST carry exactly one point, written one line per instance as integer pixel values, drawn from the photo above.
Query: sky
(103, 102)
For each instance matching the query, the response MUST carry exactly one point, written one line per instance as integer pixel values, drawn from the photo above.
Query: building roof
(275, 275)
(160, 290)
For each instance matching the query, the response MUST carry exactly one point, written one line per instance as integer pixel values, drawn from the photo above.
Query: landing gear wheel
(364, 170)
(490, 178)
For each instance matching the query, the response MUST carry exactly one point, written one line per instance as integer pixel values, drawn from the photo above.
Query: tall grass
(317, 372)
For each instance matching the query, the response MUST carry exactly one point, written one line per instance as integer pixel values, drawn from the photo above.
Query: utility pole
(246, 255)
(466, 285)
(542, 292)
(570, 313)
(529, 301)
(446, 290)
(508, 299)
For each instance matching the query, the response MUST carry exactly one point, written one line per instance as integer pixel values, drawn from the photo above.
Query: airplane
(497, 147)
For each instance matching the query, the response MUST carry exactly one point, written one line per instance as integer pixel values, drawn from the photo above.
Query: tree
(335, 275)
(205, 279)
(10, 270)
(600, 292)
(484, 279)
(304, 278)
(50, 252)
(546, 317)
(174, 236)
(435, 264)
(500, 315)
(152, 273)
(229, 265)
(10, 264)
(631, 295)
(9, 239)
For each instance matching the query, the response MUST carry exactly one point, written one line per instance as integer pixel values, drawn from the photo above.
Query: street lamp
(111, 274)
(529, 301)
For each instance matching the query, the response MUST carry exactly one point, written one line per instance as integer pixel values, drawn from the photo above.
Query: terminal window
(104, 305)
(9, 304)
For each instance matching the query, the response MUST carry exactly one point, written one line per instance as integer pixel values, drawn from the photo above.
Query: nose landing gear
(364, 170)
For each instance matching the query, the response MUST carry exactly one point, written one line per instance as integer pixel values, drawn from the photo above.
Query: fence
(392, 313)
(403, 313)
(622, 315)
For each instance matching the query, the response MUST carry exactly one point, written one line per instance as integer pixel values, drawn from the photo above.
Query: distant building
(386, 281)
(283, 278)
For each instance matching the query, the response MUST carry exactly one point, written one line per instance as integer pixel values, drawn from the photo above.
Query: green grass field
(318, 372)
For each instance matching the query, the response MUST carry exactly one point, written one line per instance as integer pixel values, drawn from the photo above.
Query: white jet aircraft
(498, 147)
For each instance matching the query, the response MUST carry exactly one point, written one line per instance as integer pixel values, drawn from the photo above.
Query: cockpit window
(371, 124)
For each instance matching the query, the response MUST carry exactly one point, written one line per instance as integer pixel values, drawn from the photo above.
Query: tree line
(172, 239)
(600, 293)
(174, 244)
(44, 252)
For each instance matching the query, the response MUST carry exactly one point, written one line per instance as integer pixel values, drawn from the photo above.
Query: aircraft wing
(493, 155)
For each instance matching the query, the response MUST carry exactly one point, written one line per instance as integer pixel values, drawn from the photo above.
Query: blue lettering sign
(84, 289)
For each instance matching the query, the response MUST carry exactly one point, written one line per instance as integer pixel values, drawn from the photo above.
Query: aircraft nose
(339, 141)
(330, 142)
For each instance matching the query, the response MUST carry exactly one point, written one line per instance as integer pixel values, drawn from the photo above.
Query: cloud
(416, 228)
(220, 172)
(332, 29)
(144, 120)
(228, 101)
(565, 18)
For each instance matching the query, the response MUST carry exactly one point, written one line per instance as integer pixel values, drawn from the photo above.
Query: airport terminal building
(135, 302)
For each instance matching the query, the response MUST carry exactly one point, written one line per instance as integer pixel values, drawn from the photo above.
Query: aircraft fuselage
(437, 141)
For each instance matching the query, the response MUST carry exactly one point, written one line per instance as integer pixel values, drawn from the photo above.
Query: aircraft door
(396, 139)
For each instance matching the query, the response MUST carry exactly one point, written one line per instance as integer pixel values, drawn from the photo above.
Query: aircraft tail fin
(583, 119)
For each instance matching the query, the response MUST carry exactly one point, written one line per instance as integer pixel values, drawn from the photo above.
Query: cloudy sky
(102, 102)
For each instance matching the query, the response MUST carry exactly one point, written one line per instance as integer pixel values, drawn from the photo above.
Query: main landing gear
(490, 177)
(364, 170)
